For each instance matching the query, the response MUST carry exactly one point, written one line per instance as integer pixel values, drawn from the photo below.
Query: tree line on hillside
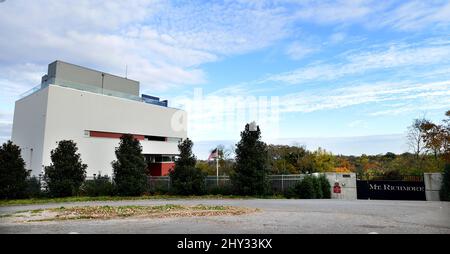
(285, 159)
(429, 151)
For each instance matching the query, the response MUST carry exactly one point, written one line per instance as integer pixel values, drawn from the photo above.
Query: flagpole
(217, 166)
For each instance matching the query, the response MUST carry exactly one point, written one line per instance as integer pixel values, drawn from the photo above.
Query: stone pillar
(347, 182)
(433, 183)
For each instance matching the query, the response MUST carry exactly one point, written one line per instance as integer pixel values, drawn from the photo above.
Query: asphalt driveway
(275, 216)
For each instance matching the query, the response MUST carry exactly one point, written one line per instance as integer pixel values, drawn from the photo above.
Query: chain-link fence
(159, 183)
(279, 183)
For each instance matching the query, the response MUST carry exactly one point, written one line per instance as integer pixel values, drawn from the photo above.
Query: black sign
(390, 190)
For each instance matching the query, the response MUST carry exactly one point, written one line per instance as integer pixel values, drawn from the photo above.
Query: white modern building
(94, 109)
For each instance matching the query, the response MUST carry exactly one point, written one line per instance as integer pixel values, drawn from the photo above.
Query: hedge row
(310, 187)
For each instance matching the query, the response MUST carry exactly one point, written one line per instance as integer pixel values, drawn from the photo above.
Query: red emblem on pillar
(336, 188)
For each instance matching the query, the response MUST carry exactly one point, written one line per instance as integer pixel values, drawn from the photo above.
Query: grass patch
(117, 212)
(118, 198)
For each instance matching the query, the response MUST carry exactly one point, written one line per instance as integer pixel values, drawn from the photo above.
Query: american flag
(214, 154)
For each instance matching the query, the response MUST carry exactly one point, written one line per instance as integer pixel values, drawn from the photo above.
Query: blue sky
(345, 73)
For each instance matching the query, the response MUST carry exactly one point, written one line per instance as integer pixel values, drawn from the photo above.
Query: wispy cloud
(297, 51)
(166, 44)
(357, 124)
(326, 12)
(395, 14)
(414, 15)
(366, 60)
(163, 43)
(327, 99)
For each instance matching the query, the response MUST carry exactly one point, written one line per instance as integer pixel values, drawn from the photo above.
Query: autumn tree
(285, 159)
(414, 137)
(206, 167)
(437, 138)
(225, 159)
(306, 163)
(446, 142)
(432, 137)
(343, 165)
(323, 161)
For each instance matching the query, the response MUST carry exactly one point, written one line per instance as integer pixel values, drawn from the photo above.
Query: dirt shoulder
(117, 212)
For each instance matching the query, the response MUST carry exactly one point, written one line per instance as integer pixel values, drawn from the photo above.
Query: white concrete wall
(433, 183)
(30, 114)
(70, 112)
(348, 185)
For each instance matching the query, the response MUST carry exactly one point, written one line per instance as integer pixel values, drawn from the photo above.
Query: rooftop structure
(81, 78)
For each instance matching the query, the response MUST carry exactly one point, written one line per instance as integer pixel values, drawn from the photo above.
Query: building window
(174, 140)
(102, 134)
(155, 138)
(156, 158)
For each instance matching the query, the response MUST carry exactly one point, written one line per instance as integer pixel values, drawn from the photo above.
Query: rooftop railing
(32, 90)
(89, 88)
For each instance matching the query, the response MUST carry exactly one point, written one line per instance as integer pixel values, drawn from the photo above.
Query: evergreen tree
(185, 177)
(445, 187)
(249, 176)
(130, 168)
(33, 188)
(305, 189)
(317, 188)
(325, 186)
(66, 173)
(13, 174)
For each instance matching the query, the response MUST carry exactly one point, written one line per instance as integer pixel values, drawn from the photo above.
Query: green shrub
(220, 190)
(33, 188)
(187, 181)
(317, 188)
(99, 186)
(310, 187)
(325, 186)
(445, 187)
(157, 188)
(291, 192)
(305, 188)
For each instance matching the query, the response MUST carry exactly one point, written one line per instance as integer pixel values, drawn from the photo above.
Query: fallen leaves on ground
(115, 212)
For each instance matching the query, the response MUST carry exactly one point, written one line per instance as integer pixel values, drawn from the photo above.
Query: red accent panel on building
(139, 137)
(161, 169)
(102, 134)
